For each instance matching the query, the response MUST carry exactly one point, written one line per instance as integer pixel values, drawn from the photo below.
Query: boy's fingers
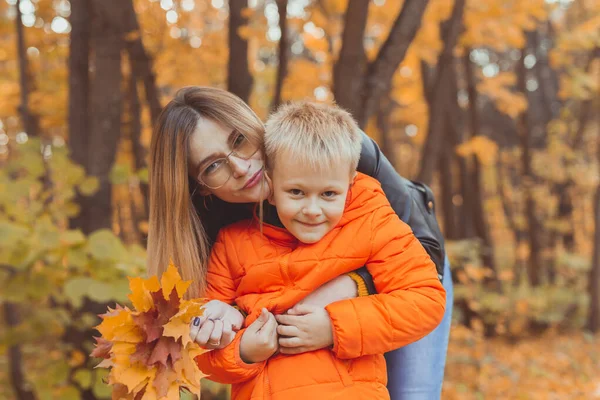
(270, 327)
(288, 319)
(262, 319)
(288, 330)
(290, 342)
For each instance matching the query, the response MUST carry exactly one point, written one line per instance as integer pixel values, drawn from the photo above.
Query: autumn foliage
(492, 103)
(148, 349)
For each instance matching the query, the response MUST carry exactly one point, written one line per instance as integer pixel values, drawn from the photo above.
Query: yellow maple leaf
(140, 295)
(120, 327)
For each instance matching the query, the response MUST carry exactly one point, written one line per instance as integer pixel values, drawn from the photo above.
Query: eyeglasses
(219, 171)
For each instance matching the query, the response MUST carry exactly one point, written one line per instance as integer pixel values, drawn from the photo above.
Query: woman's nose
(239, 166)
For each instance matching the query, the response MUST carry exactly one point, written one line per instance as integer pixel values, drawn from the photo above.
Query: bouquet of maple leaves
(149, 350)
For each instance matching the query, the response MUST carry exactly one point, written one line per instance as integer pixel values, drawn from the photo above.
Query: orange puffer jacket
(276, 271)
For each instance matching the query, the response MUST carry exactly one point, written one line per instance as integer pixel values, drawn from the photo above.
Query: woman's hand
(217, 325)
(304, 328)
(340, 288)
(259, 341)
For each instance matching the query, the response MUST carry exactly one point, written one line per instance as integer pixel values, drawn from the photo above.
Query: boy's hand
(216, 328)
(259, 341)
(304, 328)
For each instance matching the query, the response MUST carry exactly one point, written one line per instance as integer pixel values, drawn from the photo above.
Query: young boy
(328, 221)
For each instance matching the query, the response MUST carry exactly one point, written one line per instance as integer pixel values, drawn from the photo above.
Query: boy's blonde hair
(314, 134)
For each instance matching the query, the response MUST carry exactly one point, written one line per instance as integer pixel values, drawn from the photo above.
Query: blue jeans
(416, 371)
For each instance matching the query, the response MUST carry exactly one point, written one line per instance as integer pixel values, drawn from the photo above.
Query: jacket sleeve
(411, 300)
(412, 202)
(224, 365)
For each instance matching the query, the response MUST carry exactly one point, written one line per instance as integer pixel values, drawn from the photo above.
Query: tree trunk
(509, 213)
(141, 62)
(139, 152)
(239, 80)
(594, 277)
(392, 52)
(383, 125)
(431, 149)
(29, 120)
(594, 280)
(79, 84)
(481, 224)
(106, 99)
(447, 193)
(18, 382)
(351, 65)
(283, 53)
(534, 264)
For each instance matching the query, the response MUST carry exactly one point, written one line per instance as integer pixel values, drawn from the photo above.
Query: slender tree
(350, 67)
(479, 215)
(29, 120)
(239, 79)
(283, 53)
(141, 61)
(79, 86)
(359, 87)
(534, 264)
(439, 98)
(105, 101)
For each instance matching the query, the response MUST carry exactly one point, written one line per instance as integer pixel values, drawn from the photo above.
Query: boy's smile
(310, 201)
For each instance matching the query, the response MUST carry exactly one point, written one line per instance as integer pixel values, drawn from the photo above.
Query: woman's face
(213, 141)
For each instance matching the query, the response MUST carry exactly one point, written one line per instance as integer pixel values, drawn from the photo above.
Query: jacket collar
(272, 227)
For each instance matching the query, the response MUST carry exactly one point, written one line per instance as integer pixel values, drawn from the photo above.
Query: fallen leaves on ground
(552, 366)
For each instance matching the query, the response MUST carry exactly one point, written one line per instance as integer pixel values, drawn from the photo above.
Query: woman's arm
(411, 299)
(411, 201)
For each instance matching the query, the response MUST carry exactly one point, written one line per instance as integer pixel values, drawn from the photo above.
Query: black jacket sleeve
(412, 201)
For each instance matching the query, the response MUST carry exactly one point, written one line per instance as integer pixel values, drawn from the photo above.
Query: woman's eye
(329, 194)
(239, 141)
(212, 167)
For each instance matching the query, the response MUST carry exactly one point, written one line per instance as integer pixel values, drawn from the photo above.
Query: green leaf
(89, 186)
(83, 377)
(142, 174)
(70, 393)
(119, 174)
(12, 233)
(105, 246)
(100, 389)
(46, 234)
(72, 237)
(77, 257)
(76, 288)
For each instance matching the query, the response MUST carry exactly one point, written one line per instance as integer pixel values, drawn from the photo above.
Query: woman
(206, 172)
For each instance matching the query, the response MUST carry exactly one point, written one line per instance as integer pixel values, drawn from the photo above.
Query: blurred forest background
(493, 103)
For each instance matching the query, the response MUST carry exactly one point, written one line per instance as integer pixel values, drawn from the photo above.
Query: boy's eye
(295, 192)
(329, 194)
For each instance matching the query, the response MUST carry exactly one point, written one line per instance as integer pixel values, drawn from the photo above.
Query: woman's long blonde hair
(175, 231)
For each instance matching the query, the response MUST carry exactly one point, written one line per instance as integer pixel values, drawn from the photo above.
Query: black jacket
(412, 201)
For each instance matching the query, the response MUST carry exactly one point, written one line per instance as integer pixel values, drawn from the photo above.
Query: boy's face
(309, 203)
